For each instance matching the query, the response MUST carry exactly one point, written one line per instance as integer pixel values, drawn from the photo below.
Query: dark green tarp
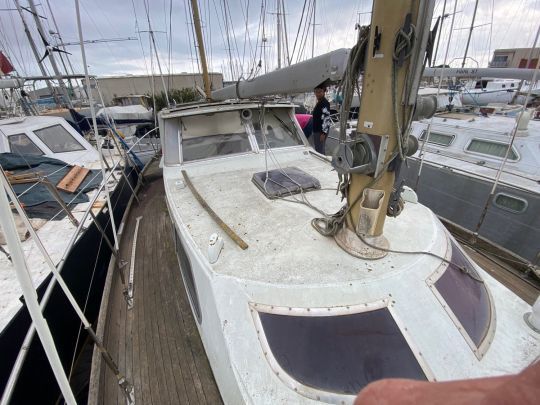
(32, 194)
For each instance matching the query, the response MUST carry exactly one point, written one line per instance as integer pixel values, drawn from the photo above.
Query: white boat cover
(129, 112)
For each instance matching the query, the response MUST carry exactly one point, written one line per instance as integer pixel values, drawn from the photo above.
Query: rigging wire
(428, 130)
(305, 33)
(299, 26)
(209, 35)
(188, 16)
(507, 154)
(137, 30)
(169, 46)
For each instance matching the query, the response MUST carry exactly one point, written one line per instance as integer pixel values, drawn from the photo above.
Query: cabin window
(340, 354)
(58, 139)
(212, 135)
(481, 84)
(438, 138)
(187, 275)
(23, 145)
(280, 130)
(465, 296)
(495, 149)
(510, 203)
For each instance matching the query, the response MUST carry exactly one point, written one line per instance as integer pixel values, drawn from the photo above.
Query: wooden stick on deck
(237, 239)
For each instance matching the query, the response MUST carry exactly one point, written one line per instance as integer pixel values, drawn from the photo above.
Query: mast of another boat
(50, 53)
(200, 42)
(278, 18)
(470, 34)
(35, 52)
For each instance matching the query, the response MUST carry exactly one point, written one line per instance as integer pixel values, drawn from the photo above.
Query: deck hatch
(340, 354)
(286, 181)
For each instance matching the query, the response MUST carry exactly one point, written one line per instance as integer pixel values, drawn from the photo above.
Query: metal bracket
(128, 390)
(381, 157)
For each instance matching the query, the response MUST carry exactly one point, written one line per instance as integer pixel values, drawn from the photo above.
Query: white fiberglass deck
(289, 265)
(283, 246)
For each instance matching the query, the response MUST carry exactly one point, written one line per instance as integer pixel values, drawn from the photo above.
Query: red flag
(5, 66)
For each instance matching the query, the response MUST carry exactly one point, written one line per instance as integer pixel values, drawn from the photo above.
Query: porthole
(510, 203)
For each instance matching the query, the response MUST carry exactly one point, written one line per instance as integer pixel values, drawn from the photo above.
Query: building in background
(515, 58)
(120, 86)
(127, 85)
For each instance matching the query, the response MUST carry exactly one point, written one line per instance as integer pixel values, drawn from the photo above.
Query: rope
(403, 47)
(463, 269)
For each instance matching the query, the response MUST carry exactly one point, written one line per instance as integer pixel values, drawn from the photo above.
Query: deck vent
(283, 182)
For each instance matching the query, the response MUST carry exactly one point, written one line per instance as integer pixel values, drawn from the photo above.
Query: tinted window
(438, 138)
(187, 276)
(280, 130)
(215, 145)
(491, 148)
(22, 144)
(58, 139)
(341, 354)
(466, 295)
(212, 135)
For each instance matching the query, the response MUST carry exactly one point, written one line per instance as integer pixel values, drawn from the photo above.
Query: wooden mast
(384, 89)
(200, 43)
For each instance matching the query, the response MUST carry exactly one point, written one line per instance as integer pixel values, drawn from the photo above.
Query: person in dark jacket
(321, 119)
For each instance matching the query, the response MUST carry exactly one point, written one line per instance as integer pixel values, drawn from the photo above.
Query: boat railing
(10, 385)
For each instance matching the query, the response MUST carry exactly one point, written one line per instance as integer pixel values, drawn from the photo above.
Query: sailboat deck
(156, 343)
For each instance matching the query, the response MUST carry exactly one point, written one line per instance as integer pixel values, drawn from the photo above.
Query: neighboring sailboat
(464, 156)
(37, 153)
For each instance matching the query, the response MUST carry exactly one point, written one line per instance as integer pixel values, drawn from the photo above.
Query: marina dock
(155, 343)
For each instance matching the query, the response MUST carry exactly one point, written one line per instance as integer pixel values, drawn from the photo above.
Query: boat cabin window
(510, 203)
(481, 84)
(280, 130)
(340, 354)
(465, 296)
(491, 148)
(22, 144)
(438, 138)
(212, 135)
(58, 139)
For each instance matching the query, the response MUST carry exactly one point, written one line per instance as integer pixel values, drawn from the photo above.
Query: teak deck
(156, 343)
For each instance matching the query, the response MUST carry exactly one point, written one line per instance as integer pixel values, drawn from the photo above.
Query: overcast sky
(500, 24)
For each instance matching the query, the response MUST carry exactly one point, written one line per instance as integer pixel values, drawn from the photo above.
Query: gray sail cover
(283, 182)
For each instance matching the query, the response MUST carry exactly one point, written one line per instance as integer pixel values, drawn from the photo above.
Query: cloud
(514, 25)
